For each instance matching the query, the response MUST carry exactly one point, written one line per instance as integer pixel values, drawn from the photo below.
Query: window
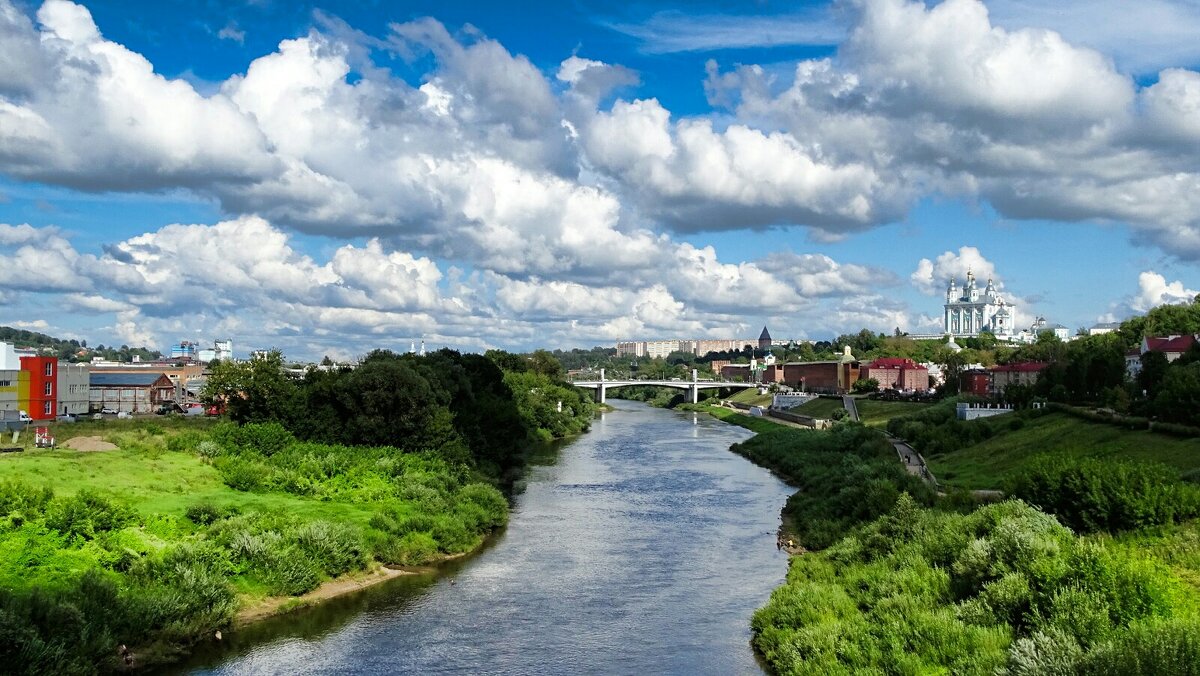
(49, 389)
(49, 368)
(47, 409)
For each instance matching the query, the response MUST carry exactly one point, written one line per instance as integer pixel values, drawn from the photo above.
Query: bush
(265, 439)
(1091, 495)
(411, 549)
(205, 513)
(336, 548)
(87, 514)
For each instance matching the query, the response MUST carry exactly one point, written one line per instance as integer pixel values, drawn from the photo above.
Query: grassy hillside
(985, 464)
(159, 542)
(751, 397)
(876, 413)
(819, 408)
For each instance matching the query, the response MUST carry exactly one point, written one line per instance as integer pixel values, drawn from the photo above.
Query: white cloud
(932, 277)
(1154, 290)
(672, 31)
(231, 32)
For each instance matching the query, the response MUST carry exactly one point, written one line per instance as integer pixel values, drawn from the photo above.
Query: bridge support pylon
(601, 391)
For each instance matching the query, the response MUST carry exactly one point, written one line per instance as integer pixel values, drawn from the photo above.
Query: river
(643, 546)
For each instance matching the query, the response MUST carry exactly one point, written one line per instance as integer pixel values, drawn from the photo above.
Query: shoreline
(274, 606)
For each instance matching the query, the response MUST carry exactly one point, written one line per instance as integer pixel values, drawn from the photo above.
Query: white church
(969, 311)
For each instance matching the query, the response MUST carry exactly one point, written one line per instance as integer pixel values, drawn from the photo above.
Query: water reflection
(643, 549)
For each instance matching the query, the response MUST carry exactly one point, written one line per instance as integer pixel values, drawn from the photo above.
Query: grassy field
(751, 397)
(158, 484)
(752, 423)
(986, 464)
(819, 408)
(875, 413)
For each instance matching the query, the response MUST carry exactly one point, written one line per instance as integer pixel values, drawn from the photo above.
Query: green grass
(874, 413)
(159, 483)
(750, 422)
(1177, 547)
(751, 397)
(986, 464)
(819, 408)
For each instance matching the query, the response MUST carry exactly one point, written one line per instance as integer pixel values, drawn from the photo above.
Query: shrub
(185, 442)
(262, 438)
(18, 496)
(86, 514)
(336, 548)
(205, 513)
(242, 474)
(411, 549)
(1093, 495)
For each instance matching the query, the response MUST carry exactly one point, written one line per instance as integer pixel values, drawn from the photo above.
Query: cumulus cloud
(933, 276)
(1154, 290)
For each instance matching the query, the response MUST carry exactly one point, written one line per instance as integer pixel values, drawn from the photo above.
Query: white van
(25, 417)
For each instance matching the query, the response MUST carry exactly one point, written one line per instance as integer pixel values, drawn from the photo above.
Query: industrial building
(130, 392)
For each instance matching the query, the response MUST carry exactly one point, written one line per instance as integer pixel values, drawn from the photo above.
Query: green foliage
(1005, 589)
(846, 476)
(865, 385)
(1090, 495)
(1178, 396)
(86, 515)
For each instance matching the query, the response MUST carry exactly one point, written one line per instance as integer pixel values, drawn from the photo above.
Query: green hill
(986, 463)
(73, 350)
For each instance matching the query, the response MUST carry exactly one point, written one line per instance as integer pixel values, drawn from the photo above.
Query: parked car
(108, 411)
(67, 418)
(24, 417)
(193, 409)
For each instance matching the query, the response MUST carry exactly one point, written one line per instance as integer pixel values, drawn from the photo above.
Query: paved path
(913, 462)
(851, 407)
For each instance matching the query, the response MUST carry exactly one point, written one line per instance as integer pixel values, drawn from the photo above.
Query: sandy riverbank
(347, 584)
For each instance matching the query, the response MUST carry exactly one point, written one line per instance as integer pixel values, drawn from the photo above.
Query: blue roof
(128, 379)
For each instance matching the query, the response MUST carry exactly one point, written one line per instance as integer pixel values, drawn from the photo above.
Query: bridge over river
(693, 386)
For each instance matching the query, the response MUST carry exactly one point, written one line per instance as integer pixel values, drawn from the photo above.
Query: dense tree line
(70, 350)
(476, 409)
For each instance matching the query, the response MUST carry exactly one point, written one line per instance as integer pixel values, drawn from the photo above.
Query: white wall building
(73, 388)
(970, 310)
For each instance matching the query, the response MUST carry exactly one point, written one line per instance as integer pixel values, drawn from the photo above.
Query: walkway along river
(643, 548)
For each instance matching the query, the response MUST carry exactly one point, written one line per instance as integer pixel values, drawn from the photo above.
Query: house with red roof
(1024, 373)
(894, 373)
(1172, 347)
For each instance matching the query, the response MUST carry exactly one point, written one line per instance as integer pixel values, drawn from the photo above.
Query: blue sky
(331, 177)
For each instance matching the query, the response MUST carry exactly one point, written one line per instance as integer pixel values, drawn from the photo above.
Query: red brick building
(975, 381)
(43, 386)
(1025, 373)
(831, 377)
(736, 373)
(895, 373)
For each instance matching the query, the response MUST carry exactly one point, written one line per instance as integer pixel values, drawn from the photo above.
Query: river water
(641, 547)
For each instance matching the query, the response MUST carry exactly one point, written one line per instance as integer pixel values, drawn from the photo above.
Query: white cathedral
(970, 311)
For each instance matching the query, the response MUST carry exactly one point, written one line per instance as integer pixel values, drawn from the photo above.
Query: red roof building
(1171, 346)
(894, 373)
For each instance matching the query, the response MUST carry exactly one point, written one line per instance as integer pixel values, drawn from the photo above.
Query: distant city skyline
(329, 180)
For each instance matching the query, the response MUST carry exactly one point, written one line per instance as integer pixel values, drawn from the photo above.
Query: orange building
(43, 386)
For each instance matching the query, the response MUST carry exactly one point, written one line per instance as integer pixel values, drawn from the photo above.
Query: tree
(544, 363)
(865, 385)
(1179, 395)
(255, 391)
(326, 361)
(1154, 369)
